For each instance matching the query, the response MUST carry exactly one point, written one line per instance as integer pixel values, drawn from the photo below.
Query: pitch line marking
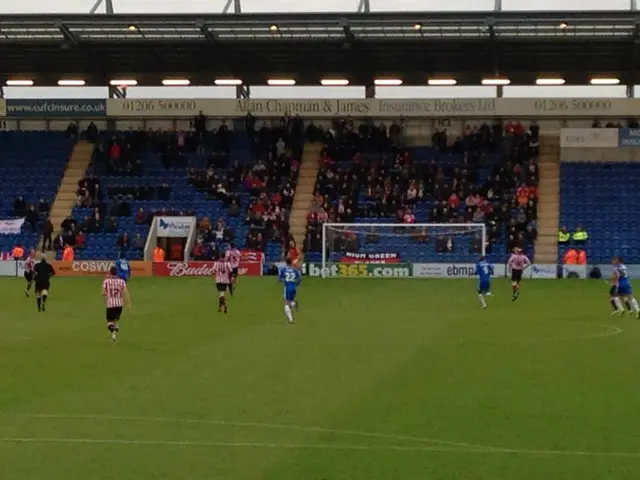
(439, 445)
(179, 443)
(272, 426)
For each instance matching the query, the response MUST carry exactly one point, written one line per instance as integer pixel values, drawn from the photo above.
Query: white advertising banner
(543, 270)
(574, 271)
(11, 227)
(607, 270)
(20, 268)
(175, 227)
(373, 107)
(589, 138)
(8, 268)
(452, 270)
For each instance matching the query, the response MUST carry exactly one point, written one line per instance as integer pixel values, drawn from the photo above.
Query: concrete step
(307, 181)
(308, 195)
(548, 204)
(66, 198)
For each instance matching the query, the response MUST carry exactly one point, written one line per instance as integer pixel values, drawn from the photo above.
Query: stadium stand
(239, 185)
(488, 175)
(597, 196)
(32, 165)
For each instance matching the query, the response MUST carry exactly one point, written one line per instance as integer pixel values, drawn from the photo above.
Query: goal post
(398, 249)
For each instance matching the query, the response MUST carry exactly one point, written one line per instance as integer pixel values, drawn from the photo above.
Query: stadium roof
(307, 47)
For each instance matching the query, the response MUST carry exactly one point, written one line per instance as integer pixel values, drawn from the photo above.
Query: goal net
(401, 250)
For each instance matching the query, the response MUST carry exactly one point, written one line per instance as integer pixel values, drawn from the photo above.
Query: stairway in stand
(66, 196)
(304, 191)
(549, 200)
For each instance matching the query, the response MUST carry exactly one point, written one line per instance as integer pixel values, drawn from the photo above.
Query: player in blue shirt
(484, 271)
(291, 278)
(623, 288)
(123, 267)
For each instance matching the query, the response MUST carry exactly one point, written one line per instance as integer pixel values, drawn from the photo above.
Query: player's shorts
(624, 290)
(484, 287)
(114, 314)
(40, 286)
(28, 276)
(222, 287)
(289, 294)
(234, 272)
(122, 277)
(516, 275)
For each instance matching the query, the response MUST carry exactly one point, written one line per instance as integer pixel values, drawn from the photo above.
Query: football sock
(221, 302)
(39, 300)
(231, 287)
(28, 287)
(483, 302)
(628, 305)
(288, 313)
(618, 303)
(634, 305)
(44, 300)
(613, 304)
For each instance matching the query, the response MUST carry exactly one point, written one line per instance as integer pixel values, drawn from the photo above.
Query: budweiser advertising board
(201, 269)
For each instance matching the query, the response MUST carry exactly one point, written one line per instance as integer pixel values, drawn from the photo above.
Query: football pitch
(378, 380)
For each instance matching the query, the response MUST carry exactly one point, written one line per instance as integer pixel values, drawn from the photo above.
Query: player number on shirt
(353, 270)
(290, 277)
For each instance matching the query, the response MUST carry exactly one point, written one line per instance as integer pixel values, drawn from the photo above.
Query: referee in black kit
(43, 273)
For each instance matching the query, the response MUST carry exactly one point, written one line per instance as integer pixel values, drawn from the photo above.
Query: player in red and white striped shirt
(115, 290)
(29, 265)
(223, 271)
(233, 256)
(518, 263)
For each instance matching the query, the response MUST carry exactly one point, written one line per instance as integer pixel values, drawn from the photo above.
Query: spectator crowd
(368, 174)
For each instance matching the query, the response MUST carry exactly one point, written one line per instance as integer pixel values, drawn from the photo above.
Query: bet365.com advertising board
(358, 270)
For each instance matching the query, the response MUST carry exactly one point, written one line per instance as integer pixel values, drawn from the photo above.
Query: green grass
(379, 379)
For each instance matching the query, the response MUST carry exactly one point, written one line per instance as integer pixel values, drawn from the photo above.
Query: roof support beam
(243, 91)
(237, 6)
(108, 7)
(634, 60)
(1, 91)
(206, 32)
(364, 6)
(116, 92)
(497, 6)
(70, 37)
(493, 44)
(95, 7)
(370, 91)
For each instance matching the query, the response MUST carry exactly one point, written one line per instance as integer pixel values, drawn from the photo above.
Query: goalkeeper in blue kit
(484, 271)
(291, 278)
